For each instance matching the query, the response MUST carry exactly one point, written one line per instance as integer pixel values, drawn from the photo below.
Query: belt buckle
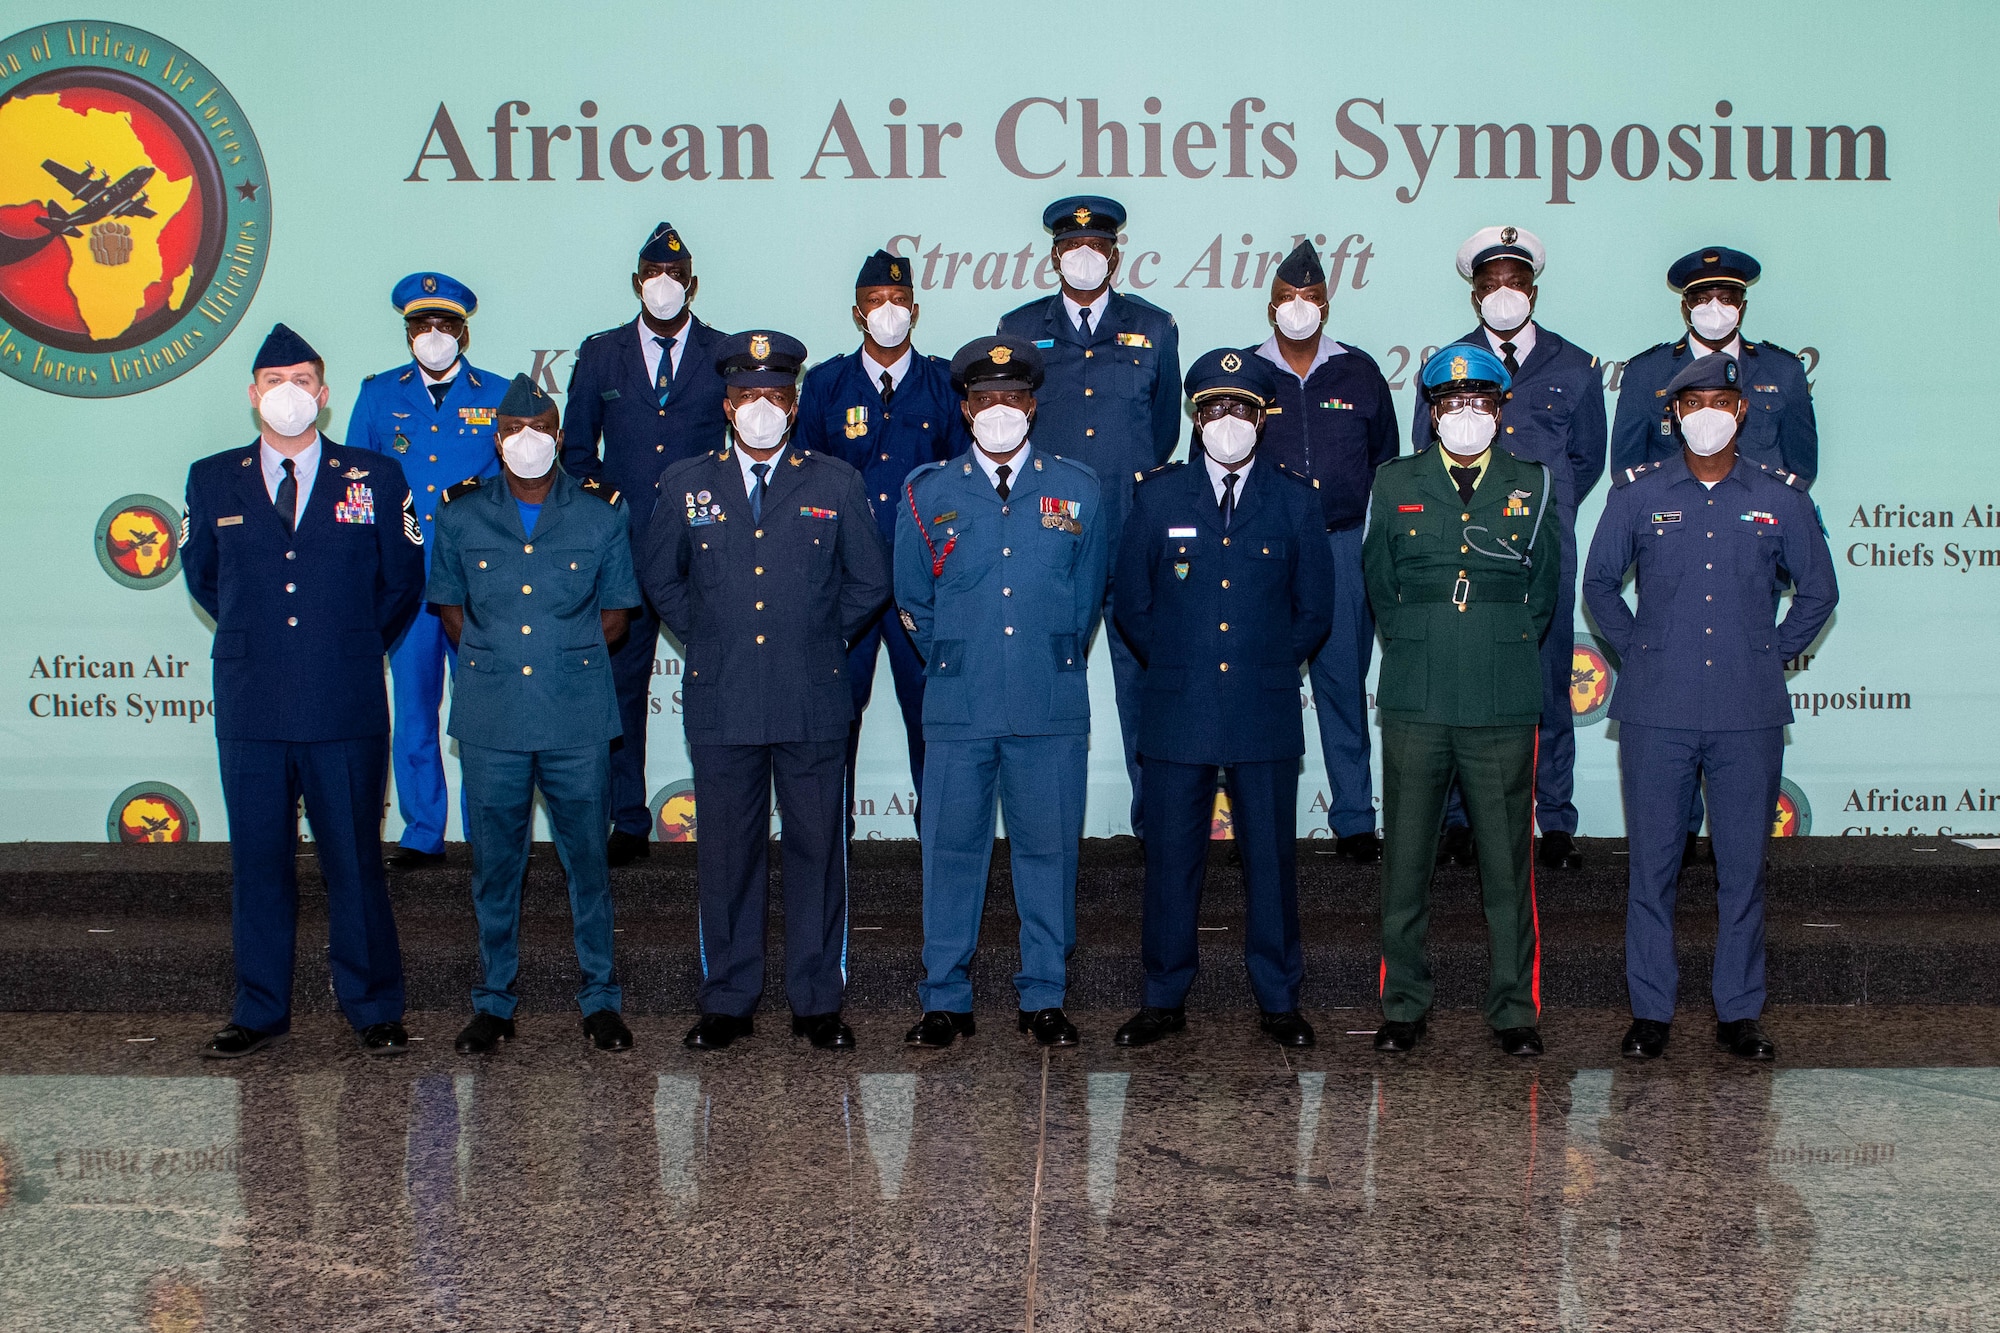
(1460, 591)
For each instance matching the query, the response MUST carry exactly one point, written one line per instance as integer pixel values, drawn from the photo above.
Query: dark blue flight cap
(524, 398)
(1717, 263)
(665, 246)
(1231, 372)
(883, 269)
(282, 347)
(1301, 267)
(760, 358)
(1717, 370)
(996, 363)
(1463, 366)
(423, 292)
(1084, 215)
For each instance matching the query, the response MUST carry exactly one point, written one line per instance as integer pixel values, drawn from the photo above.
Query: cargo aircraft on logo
(100, 198)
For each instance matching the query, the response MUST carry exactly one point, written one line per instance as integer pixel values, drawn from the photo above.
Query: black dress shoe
(1050, 1026)
(1691, 852)
(483, 1033)
(1644, 1040)
(938, 1028)
(1558, 852)
(1397, 1038)
(409, 858)
(236, 1041)
(1746, 1039)
(1361, 848)
(1520, 1041)
(715, 1031)
(1455, 847)
(1149, 1025)
(622, 848)
(1287, 1029)
(607, 1031)
(825, 1031)
(384, 1039)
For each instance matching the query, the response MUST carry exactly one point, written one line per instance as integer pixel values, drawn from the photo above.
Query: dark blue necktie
(1228, 500)
(287, 499)
(757, 492)
(666, 376)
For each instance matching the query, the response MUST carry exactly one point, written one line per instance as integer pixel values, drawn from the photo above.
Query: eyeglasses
(1725, 292)
(1215, 409)
(1484, 403)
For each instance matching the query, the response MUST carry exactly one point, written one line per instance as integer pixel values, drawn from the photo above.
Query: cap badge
(1458, 367)
(1507, 235)
(1729, 373)
(760, 346)
(1082, 216)
(430, 284)
(673, 241)
(1711, 259)
(1232, 363)
(1001, 355)
(896, 271)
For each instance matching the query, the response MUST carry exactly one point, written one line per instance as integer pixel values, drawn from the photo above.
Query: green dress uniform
(1463, 590)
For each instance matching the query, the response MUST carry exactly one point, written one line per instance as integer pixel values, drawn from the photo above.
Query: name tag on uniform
(1045, 342)
(1173, 533)
(229, 522)
(1134, 340)
(1409, 509)
(946, 517)
(810, 511)
(1667, 516)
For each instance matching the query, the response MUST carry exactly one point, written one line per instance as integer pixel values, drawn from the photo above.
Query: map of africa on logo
(1591, 679)
(139, 541)
(134, 215)
(152, 812)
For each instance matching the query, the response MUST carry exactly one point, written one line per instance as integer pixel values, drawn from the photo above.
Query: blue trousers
(1659, 766)
(343, 783)
(418, 666)
(1039, 782)
(907, 669)
(1126, 678)
(1340, 693)
(500, 791)
(1263, 805)
(632, 677)
(733, 872)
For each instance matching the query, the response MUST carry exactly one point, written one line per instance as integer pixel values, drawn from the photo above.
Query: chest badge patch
(857, 422)
(358, 507)
(813, 511)
(1761, 516)
(1180, 569)
(1667, 516)
(700, 498)
(354, 474)
(401, 446)
(1517, 504)
(477, 416)
(1134, 340)
(1062, 514)
(1338, 405)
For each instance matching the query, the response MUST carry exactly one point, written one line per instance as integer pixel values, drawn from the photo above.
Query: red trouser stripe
(1382, 979)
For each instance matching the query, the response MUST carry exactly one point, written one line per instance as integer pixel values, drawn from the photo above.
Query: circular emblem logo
(1590, 680)
(152, 812)
(673, 812)
(134, 210)
(1794, 815)
(139, 541)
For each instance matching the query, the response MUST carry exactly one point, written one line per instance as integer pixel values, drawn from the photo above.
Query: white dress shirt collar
(1327, 350)
(1096, 309)
(1216, 472)
(651, 349)
(746, 462)
(896, 370)
(1015, 466)
(1523, 339)
(305, 467)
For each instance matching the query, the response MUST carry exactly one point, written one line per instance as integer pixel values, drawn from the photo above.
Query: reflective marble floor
(1209, 1183)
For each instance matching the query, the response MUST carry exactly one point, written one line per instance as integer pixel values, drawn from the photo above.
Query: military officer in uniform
(1464, 567)
(1000, 573)
(643, 396)
(1225, 590)
(436, 416)
(766, 564)
(1779, 428)
(1715, 537)
(1332, 422)
(531, 575)
(1112, 395)
(309, 558)
(885, 409)
(1555, 416)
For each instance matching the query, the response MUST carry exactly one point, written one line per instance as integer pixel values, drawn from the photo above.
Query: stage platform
(1851, 921)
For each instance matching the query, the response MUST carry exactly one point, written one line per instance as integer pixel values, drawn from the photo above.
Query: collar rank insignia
(1180, 569)
(1062, 514)
(857, 422)
(354, 474)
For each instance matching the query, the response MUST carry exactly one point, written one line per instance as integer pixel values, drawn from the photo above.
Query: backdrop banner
(173, 180)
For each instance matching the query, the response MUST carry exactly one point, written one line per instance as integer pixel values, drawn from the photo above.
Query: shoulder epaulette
(603, 333)
(1593, 363)
(592, 486)
(1679, 347)
(1294, 474)
(1791, 479)
(1632, 474)
(466, 487)
(1770, 346)
(1158, 471)
(405, 376)
(366, 378)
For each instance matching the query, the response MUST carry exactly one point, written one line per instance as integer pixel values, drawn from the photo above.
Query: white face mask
(1505, 309)
(1708, 430)
(529, 453)
(435, 350)
(1299, 318)
(1000, 429)
(288, 409)
(1714, 320)
(1466, 432)
(1083, 269)
(889, 323)
(1228, 440)
(664, 297)
(761, 423)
